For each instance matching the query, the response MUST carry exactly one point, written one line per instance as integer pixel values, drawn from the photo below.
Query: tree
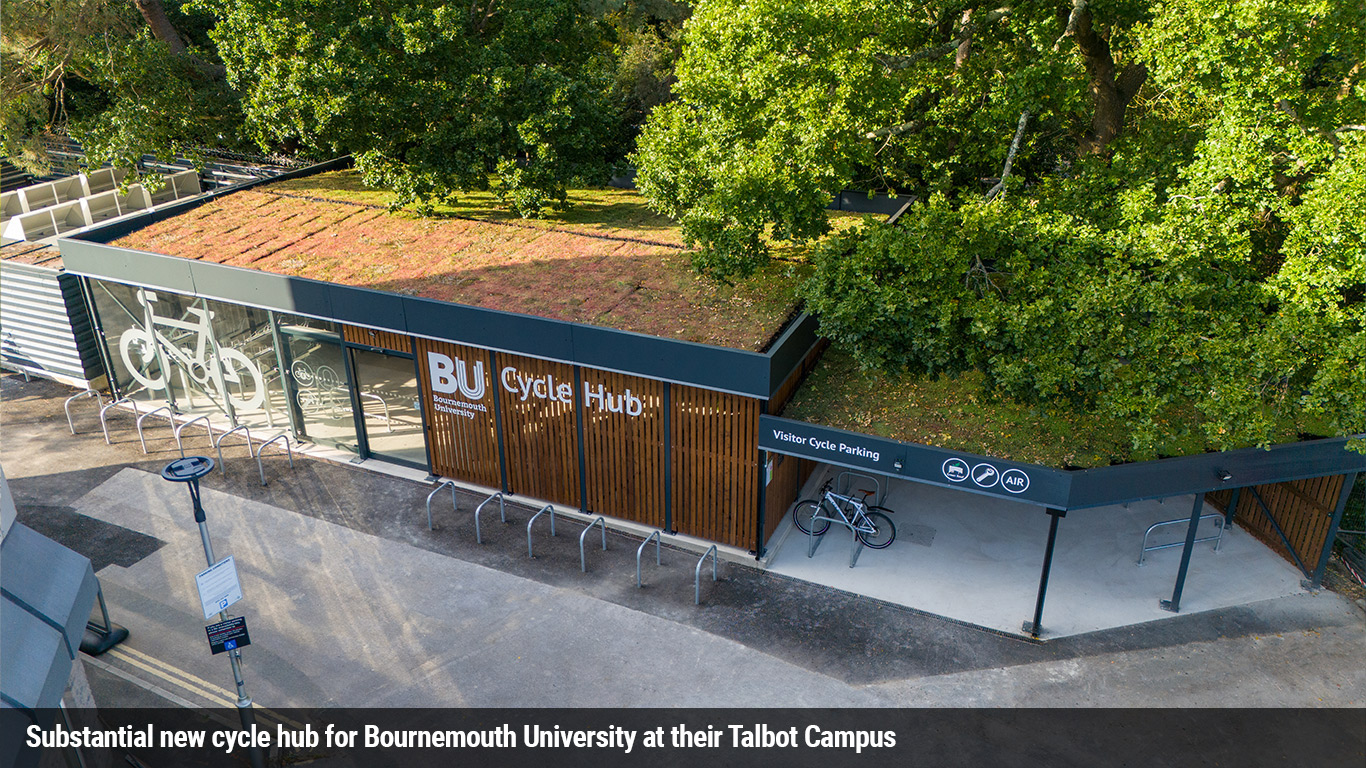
(124, 79)
(1152, 211)
(431, 97)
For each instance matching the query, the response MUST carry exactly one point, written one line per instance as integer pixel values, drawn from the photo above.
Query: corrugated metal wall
(44, 325)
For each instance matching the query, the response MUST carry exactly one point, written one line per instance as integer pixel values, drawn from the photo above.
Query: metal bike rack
(502, 513)
(387, 421)
(1217, 539)
(600, 521)
(180, 427)
(813, 542)
(217, 444)
(697, 574)
(165, 408)
(455, 505)
(288, 451)
(67, 406)
(104, 423)
(547, 508)
(846, 486)
(641, 549)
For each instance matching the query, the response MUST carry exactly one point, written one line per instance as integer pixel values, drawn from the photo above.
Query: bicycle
(870, 523)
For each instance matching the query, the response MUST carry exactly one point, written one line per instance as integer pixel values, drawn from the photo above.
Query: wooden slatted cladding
(714, 439)
(789, 475)
(1302, 508)
(623, 438)
(540, 431)
(460, 430)
(383, 339)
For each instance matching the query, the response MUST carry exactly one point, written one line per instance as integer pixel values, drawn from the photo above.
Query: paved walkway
(351, 601)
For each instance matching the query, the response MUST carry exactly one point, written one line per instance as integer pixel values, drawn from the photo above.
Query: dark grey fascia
(1071, 489)
(1043, 486)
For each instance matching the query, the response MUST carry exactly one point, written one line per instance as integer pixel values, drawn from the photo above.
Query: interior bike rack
(1217, 539)
(288, 451)
(641, 549)
(502, 513)
(372, 396)
(104, 409)
(547, 508)
(181, 427)
(697, 574)
(846, 486)
(170, 415)
(601, 522)
(218, 444)
(455, 505)
(67, 406)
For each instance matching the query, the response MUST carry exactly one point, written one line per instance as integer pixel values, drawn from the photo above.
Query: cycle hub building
(543, 390)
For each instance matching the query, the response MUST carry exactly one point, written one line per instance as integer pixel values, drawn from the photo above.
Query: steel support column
(1316, 581)
(1174, 604)
(1034, 627)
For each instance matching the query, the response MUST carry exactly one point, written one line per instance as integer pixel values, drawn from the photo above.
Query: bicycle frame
(837, 502)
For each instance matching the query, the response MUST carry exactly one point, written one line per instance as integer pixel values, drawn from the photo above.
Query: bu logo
(449, 376)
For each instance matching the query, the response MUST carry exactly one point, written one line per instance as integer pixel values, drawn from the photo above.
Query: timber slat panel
(715, 465)
(540, 435)
(397, 342)
(463, 441)
(624, 452)
(1302, 508)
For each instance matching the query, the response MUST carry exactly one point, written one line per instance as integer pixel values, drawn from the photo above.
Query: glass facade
(271, 371)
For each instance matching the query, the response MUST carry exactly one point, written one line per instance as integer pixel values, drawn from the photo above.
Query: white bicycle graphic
(211, 371)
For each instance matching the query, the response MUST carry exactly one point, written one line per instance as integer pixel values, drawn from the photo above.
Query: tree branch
(1078, 6)
(1010, 156)
(897, 63)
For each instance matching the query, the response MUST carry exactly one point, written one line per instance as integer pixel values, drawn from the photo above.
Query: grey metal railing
(181, 427)
(1217, 539)
(583, 559)
(845, 486)
(67, 406)
(455, 505)
(260, 467)
(697, 574)
(547, 508)
(104, 423)
(641, 549)
(171, 416)
(502, 514)
(218, 444)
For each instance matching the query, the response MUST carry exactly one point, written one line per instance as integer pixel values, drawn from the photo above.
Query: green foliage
(431, 97)
(1183, 255)
(93, 70)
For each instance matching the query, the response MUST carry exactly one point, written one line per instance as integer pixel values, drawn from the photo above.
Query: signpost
(218, 589)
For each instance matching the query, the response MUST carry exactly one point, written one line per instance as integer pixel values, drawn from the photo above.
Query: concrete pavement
(352, 602)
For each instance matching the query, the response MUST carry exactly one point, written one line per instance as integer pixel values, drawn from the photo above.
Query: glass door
(387, 393)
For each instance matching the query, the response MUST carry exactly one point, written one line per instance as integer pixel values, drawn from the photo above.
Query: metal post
(1174, 604)
(1314, 583)
(245, 713)
(1033, 627)
(1231, 510)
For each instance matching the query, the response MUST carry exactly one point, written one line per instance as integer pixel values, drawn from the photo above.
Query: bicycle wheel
(884, 532)
(802, 515)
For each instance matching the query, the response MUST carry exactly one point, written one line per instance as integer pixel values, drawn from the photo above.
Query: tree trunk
(1110, 94)
(162, 28)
